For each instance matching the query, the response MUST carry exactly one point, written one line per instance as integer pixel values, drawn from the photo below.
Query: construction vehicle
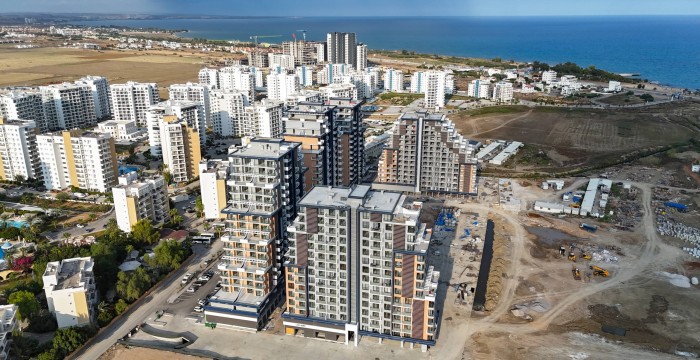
(586, 256)
(589, 228)
(599, 271)
(572, 256)
(576, 273)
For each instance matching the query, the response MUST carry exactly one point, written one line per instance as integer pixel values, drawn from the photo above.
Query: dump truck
(589, 228)
(572, 256)
(576, 273)
(599, 271)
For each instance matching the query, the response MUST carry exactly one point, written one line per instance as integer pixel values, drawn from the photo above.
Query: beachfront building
(503, 91)
(132, 100)
(23, 105)
(341, 48)
(480, 89)
(614, 86)
(67, 106)
(264, 186)
(427, 154)
(99, 90)
(121, 130)
(549, 76)
(212, 185)
(361, 57)
(330, 135)
(18, 150)
(190, 112)
(137, 199)
(358, 266)
(393, 80)
(198, 93)
(437, 84)
(8, 324)
(228, 111)
(70, 290)
(305, 75)
(86, 160)
(281, 85)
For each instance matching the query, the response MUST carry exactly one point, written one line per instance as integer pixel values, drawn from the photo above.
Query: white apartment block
(70, 290)
(209, 77)
(614, 86)
(361, 57)
(188, 111)
(99, 89)
(417, 83)
(305, 75)
(241, 78)
(345, 91)
(181, 148)
(549, 76)
(303, 96)
(363, 84)
(68, 106)
(503, 91)
(121, 130)
(321, 52)
(18, 150)
(281, 85)
(393, 80)
(283, 61)
(228, 111)
(332, 73)
(131, 101)
(212, 184)
(480, 89)
(198, 93)
(136, 199)
(264, 119)
(435, 84)
(86, 160)
(23, 105)
(8, 324)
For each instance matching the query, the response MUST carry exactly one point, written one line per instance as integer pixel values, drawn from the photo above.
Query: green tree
(62, 196)
(48, 355)
(67, 340)
(106, 259)
(131, 285)
(120, 306)
(169, 255)
(206, 226)
(167, 177)
(199, 206)
(144, 232)
(26, 303)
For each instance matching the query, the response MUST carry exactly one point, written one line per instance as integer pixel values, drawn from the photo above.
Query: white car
(199, 308)
(204, 278)
(80, 226)
(202, 302)
(191, 289)
(193, 202)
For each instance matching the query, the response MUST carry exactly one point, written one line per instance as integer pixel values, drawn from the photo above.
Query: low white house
(121, 130)
(695, 168)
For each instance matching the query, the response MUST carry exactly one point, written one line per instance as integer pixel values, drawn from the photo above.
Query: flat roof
(267, 148)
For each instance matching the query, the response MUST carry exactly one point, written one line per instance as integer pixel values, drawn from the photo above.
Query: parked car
(204, 278)
(218, 286)
(202, 302)
(192, 289)
(199, 308)
(186, 278)
(80, 226)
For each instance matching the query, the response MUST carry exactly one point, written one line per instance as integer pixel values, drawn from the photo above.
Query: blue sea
(659, 48)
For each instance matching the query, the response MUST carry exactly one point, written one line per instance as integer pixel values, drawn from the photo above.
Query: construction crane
(303, 34)
(256, 37)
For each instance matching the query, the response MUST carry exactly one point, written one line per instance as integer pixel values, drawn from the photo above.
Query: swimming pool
(127, 169)
(16, 223)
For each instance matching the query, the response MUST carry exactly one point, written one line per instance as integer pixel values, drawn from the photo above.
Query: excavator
(598, 271)
(576, 273)
(586, 256)
(572, 256)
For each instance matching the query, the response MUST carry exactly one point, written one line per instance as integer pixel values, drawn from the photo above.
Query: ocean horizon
(665, 49)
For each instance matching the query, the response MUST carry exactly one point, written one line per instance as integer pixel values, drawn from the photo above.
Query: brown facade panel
(312, 220)
(399, 237)
(233, 322)
(375, 217)
(302, 249)
(418, 319)
(407, 276)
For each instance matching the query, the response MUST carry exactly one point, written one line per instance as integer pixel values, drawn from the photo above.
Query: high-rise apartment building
(435, 83)
(86, 160)
(18, 150)
(228, 111)
(393, 80)
(131, 101)
(180, 147)
(277, 60)
(305, 75)
(190, 112)
(361, 62)
(427, 154)
(137, 199)
(68, 106)
(281, 85)
(212, 186)
(71, 292)
(303, 52)
(332, 73)
(503, 91)
(258, 59)
(264, 186)
(358, 266)
(8, 325)
(341, 48)
(363, 84)
(479, 89)
(209, 77)
(23, 105)
(263, 119)
(240, 78)
(99, 89)
(198, 93)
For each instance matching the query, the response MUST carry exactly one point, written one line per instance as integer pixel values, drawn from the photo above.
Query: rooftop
(225, 299)
(422, 115)
(263, 148)
(356, 197)
(69, 272)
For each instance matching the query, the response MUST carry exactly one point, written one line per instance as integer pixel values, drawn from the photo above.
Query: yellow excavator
(599, 271)
(576, 273)
(586, 256)
(572, 256)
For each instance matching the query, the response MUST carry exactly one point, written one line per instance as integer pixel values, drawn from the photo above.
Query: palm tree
(66, 235)
(206, 226)
(3, 218)
(102, 306)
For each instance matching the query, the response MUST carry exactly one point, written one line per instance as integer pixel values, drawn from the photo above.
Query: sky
(362, 7)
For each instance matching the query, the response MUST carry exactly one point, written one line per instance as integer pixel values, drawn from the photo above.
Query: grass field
(584, 136)
(50, 65)
(402, 99)
(622, 99)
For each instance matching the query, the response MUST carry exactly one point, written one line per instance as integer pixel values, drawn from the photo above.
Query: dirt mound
(499, 264)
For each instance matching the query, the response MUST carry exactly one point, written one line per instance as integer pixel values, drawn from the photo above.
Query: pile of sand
(499, 264)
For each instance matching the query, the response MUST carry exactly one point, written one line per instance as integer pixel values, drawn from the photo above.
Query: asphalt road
(97, 225)
(157, 300)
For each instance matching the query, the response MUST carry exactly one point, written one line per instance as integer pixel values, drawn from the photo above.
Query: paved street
(157, 300)
(91, 227)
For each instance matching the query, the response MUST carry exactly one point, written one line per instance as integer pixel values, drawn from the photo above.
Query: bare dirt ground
(572, 137)
(121, 352)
